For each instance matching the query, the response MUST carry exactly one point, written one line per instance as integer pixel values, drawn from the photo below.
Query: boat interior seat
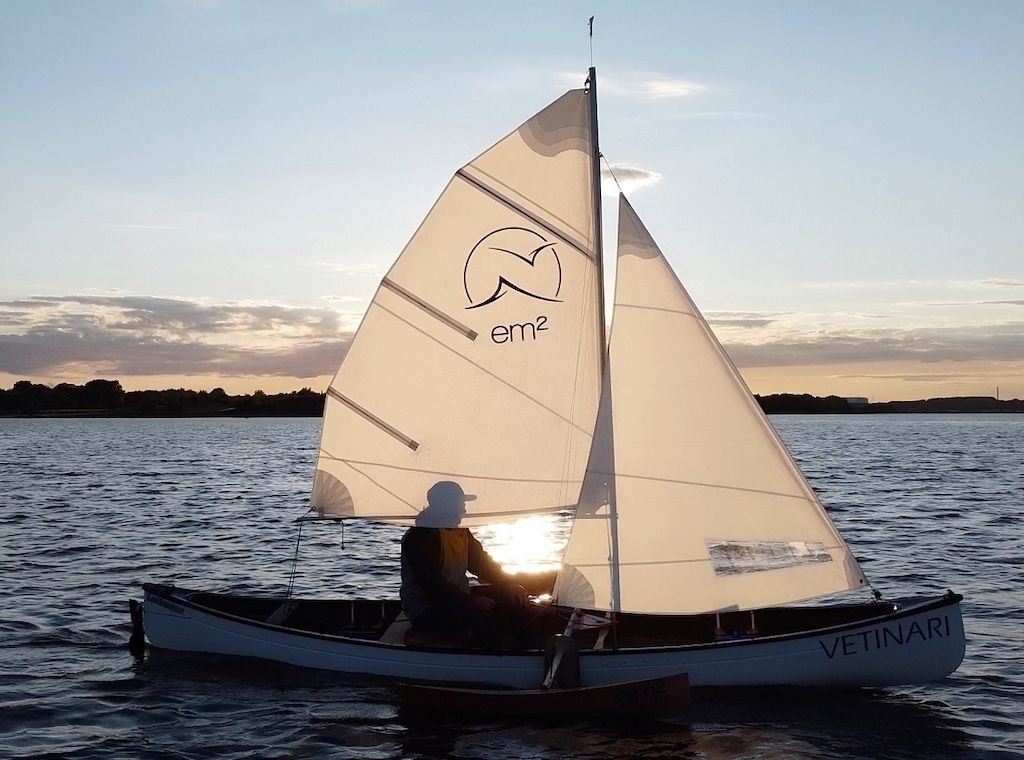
(395, 633)
(402, 632)
(456, 638)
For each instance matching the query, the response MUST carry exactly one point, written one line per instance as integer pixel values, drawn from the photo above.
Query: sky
(205, 193)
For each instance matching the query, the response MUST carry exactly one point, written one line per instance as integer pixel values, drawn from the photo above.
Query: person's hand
(518, 596)
(484, 603)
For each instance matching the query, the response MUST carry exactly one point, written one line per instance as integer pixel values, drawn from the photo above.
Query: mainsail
(690, 502)
(478, 359)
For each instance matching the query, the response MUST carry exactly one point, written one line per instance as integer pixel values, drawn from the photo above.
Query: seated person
(436, 554)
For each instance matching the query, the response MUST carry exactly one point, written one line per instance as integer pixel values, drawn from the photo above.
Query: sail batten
(536, 219)
(436, 313)
(507, 383)
(370, 417)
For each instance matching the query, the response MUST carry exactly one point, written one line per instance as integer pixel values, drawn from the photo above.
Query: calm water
(89, 509)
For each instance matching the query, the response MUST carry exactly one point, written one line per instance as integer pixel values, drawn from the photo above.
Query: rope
(611, 171)
(295, 564)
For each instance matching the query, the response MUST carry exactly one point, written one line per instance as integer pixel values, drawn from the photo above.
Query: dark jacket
(434, 565)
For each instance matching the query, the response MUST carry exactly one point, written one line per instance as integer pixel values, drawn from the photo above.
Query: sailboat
(484, 359)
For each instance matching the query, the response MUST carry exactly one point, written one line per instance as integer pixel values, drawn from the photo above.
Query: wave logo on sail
(512, 259)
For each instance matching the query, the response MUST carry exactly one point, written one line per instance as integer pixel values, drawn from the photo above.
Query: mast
(613, 515)
(595, 173)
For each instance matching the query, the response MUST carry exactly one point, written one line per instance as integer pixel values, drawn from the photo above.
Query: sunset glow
(837, 191)
(531, 544)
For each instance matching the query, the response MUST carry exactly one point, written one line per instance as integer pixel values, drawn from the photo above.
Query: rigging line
(611, 171)
(475, 516)
(453, 475)
(654, 308)
(295, 563)
(655, 479)
(486, 371)
(414, 508)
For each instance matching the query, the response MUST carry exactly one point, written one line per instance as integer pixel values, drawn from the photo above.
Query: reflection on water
(324, 713)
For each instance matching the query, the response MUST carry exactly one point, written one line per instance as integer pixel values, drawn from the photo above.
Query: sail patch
(737, 557)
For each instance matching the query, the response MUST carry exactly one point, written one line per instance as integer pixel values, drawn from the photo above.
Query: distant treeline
(804, 403)
(106, 398)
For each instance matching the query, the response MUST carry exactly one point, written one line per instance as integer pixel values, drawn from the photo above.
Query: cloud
(994, 342)
(726, 321)
(663, 87)
(141, 313)
(927, 377)
(144, 227)
(987, 283)
(722, 115)
(830, 284)
(146, 335)
(967, 303)
(749, 322)
(999, 282)
(365, 269)
(646, 85)
(991, 282)
(629, 178)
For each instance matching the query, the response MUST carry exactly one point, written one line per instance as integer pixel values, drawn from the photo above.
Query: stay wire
(295, 563)
(611, 173)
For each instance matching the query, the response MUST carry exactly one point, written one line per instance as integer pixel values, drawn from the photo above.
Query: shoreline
(769, 404)
(107, 399)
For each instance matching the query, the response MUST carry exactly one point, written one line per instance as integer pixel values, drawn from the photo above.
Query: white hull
(915, 644)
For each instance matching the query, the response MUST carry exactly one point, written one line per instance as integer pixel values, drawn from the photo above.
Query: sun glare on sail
(529, 545)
